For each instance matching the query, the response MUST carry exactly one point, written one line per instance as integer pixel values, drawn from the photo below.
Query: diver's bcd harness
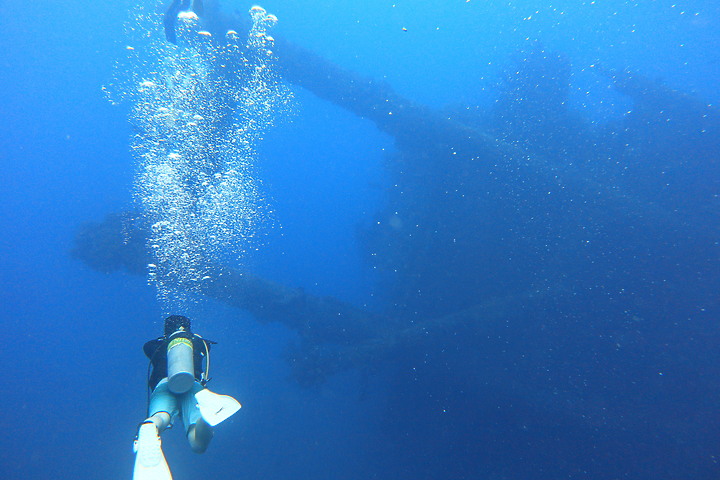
(181, 361)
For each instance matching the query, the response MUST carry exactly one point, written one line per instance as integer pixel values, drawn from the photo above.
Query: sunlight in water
(199, 110)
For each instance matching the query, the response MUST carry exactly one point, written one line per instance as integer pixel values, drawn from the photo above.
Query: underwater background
(601, 358)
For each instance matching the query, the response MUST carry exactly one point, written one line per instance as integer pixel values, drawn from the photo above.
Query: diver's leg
(199, 432)
(197, 7)
(170, 19)
(199, 435)
(160, 419)
(150, 461)
(163, 406)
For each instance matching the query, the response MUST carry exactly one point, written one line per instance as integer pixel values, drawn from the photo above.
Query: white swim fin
(150, 462)
(214, 407)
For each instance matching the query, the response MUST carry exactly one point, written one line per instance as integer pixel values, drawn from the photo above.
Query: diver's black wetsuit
(172, 12)
(156, 351)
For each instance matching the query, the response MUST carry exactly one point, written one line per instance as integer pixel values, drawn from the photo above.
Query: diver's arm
(150, 348)
(202, 358)
(202, 345)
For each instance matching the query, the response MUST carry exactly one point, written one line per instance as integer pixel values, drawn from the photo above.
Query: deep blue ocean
(601, 360)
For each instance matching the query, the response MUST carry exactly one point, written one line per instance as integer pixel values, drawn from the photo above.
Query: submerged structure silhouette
(504, 238)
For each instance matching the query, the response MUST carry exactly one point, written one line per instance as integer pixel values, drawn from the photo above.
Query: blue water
(487, 406)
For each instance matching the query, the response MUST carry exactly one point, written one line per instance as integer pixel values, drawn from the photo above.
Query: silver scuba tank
(181, 368)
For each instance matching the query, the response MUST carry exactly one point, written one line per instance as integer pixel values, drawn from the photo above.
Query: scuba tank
(180, 362)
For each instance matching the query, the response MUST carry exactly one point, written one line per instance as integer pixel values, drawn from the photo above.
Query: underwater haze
(467, 239)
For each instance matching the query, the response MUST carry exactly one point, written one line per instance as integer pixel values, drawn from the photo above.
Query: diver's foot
(199, 436)
(149, 459)
(147, 445)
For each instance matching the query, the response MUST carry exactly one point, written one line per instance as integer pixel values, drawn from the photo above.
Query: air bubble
(195, 143)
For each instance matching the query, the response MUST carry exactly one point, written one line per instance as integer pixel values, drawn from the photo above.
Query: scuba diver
(171, 15)
(177, 375)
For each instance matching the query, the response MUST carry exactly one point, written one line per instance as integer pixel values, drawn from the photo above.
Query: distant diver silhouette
(172, 13)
